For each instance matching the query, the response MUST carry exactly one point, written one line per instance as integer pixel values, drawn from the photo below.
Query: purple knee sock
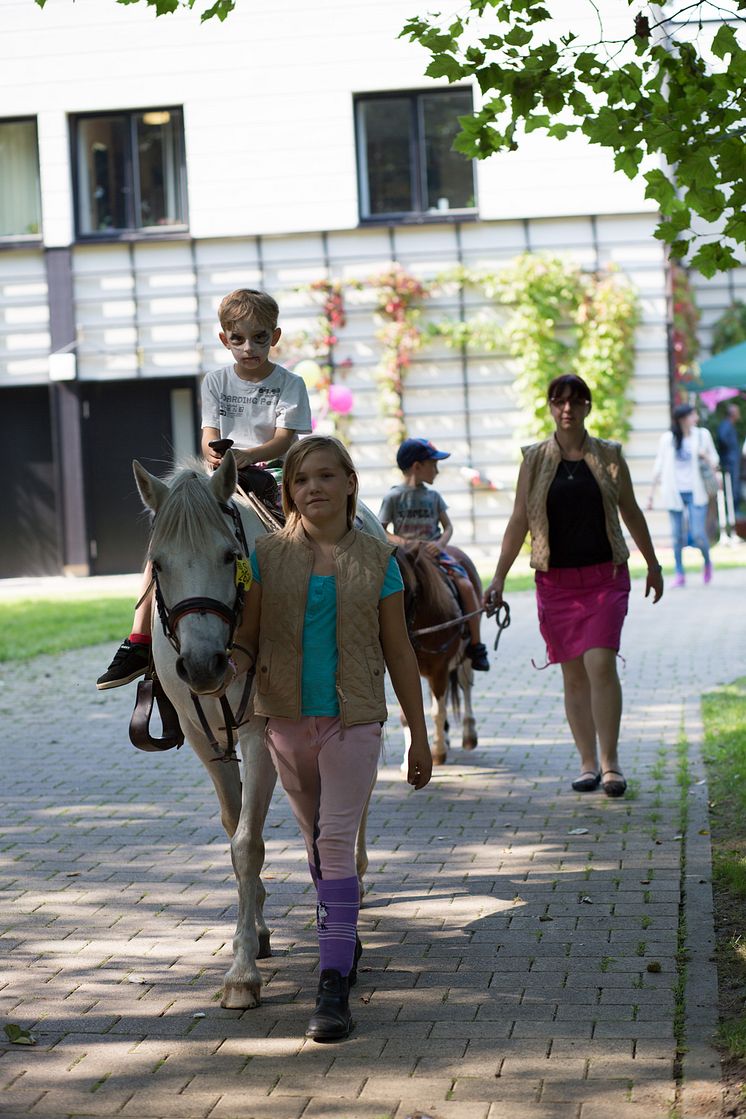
(336, 922)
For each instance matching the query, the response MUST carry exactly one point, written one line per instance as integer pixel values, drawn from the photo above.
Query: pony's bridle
(231, 615)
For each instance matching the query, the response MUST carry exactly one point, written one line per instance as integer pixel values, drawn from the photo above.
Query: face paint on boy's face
(249, 343)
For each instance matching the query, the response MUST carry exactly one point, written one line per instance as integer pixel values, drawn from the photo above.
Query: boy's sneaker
(130, 661)
(477, 654)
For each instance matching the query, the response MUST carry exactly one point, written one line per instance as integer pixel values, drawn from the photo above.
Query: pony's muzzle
(204, 674)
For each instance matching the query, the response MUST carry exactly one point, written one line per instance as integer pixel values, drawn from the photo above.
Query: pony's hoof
(241, 996)
(264, 950)
(469, 744)
(439, 759)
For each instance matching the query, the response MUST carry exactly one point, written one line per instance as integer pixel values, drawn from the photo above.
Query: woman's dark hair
(569, 387)
(679, 412)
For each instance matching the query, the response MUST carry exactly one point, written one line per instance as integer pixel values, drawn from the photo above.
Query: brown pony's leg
(468, 564)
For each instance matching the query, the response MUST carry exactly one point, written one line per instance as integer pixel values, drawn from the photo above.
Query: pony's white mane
(190, 516)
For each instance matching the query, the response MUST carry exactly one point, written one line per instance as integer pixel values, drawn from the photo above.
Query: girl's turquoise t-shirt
(319, 676)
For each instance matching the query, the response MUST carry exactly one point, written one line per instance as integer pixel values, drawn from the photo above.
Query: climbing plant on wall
(545, 313)
(684, 339)
(607, 319)
(554, 318)
(730, 328)
(399, 299)
(313, 354)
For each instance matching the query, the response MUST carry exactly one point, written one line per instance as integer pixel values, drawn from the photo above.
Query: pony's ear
(152, 490)
(223, 481)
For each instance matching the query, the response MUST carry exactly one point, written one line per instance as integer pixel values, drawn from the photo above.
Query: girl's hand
(420, 764)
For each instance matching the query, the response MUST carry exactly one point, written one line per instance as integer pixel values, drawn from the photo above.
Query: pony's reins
(501, 616)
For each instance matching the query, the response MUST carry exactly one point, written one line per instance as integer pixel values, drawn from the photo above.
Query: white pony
(196, 550)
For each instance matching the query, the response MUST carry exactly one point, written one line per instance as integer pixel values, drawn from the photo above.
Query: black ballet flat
(614, 788)
(588, 782)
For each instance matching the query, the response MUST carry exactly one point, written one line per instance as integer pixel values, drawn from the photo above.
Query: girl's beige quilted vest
(285, 564)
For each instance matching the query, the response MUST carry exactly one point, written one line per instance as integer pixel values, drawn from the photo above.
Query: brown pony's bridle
(231, 615)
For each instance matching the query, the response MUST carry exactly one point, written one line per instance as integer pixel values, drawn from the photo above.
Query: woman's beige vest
(285, 564)
(541, 461)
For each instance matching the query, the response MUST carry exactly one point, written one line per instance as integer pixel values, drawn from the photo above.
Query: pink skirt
(581, 608)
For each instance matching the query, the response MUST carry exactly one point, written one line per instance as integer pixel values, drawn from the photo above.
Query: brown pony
(430, 600)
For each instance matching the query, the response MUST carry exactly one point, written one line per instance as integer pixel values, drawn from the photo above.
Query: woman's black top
(577, 525)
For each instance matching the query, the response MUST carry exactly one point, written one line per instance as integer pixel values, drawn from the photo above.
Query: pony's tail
(455, 693)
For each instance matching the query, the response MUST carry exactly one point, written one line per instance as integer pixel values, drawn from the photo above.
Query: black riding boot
(331, 1020)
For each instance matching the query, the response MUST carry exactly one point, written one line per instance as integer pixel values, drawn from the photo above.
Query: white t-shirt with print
(248, 412)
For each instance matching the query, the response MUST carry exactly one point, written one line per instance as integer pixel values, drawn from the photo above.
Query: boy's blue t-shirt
(320, 657)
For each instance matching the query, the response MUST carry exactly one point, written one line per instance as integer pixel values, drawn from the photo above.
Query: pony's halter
(201, 604)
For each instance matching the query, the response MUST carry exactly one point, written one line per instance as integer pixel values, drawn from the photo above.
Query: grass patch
(724, 716)
(29, 627)
(733, 1036)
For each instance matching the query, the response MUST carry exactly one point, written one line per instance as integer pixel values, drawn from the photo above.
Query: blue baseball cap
(417, 450)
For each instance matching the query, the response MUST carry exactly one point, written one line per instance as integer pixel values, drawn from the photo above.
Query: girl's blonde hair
(294, 460)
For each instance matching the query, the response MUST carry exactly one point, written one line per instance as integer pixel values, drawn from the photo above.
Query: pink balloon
(340, 398)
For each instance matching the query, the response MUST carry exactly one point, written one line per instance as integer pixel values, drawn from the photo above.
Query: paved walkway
(521, 940)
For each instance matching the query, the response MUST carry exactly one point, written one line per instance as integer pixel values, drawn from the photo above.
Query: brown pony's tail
(454, 693)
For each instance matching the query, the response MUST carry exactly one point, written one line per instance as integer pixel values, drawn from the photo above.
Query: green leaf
(713, 257)
(725, 42)
(221, 9)
(518, 37)
(445, 66)
(561, 131)
(660, 189)
(17, 1035)
(628, 162)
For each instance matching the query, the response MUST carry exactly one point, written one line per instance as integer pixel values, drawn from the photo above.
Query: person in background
(682, 489)
(414, 510)
(729, 448)
(571, 490)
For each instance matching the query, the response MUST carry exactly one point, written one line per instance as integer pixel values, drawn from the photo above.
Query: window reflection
(406, 162)
(130, 171)
(20, 197)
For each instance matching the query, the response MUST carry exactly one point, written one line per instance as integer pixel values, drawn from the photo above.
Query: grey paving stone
(118, 868)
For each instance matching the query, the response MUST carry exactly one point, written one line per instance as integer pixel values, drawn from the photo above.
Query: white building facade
(148, 166)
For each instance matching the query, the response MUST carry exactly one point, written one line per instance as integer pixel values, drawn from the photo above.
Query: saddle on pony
(452, 569)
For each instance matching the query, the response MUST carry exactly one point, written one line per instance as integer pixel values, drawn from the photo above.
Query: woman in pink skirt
(571, 489)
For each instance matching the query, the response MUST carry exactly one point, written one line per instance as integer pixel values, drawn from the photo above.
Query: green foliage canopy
(220, 8)
(673, 89)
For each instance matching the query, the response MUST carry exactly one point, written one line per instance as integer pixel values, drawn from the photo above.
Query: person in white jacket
(683, 493)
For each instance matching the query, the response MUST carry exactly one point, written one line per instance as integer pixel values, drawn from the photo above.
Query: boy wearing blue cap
(416, 511)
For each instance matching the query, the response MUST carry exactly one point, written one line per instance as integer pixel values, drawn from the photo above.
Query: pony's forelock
(190, 516)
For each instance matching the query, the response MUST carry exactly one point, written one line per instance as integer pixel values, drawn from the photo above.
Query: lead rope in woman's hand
(501, 614)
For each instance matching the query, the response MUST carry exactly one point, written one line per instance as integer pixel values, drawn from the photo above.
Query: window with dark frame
(406, 162)
(130, 172)
(20, 192)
